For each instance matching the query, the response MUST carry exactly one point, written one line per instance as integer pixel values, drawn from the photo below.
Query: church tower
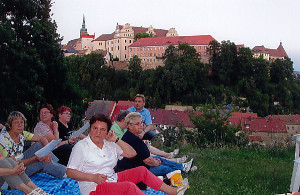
(83, 30)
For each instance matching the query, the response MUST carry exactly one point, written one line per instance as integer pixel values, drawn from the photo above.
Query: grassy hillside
(240, 171)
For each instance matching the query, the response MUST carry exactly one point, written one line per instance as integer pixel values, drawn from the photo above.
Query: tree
(135, 68)
(142, 35)
(32, 69)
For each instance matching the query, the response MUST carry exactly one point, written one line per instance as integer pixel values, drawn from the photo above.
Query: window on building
(118, 47)
(141, 55)
(144, 54)
(154, 54)
(199, 47)
(130, 49)
(125, 40)
(141, 49)
(125, 56)
(158, 54)
(129, 41)
(125, 47)
(137, 49)
(118, 41)
(150, 60)
(205, 47)
(205, 53)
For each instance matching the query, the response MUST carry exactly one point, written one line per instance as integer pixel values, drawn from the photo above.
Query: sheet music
(80, 131)
(48, 148)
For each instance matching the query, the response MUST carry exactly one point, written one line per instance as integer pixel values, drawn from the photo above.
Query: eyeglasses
(18, 123)
(46, 112)
(67, 113)
(137, 124)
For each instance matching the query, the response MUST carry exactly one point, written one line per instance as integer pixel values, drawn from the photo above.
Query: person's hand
(19, 169)
(111, 137)
(54, 126)
(158, 162)
(99, 178)
(47, 158)
(72, 140)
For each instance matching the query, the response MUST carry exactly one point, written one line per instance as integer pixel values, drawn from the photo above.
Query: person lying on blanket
(93, 159)
(12, 145)
(14, 175)
(156, 165)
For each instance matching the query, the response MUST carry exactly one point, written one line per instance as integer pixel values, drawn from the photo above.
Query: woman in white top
(92, 161)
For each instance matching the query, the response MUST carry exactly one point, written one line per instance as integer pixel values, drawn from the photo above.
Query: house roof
(255, 138)
(71, 44)
(105, 37)
(287, 119)
(171, 118)
(160, 41)
(267, 124)
(100, 107)
(279, 52)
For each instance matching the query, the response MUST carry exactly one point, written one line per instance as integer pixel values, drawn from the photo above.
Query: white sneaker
(193, 169)
(187, 166)
(183, 187)
(174, 153)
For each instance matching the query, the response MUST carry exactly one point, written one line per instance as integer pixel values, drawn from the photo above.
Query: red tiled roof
(105, 37)
(287, 119)
(87, 36)
(171, 118)
(156, 41)
(71, 44)
(279, 52)
(267, 124)
(100, 107)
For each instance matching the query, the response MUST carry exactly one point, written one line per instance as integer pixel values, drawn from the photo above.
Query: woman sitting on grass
(49, 129)
(93, 159)
(12, 145)
(14, 175)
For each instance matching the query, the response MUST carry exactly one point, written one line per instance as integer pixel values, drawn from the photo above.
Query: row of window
(149, 55)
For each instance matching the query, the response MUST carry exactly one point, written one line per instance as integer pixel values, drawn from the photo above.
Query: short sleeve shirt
(41, 129)
(117, 130)
(64, 132)
(145, 114)
(141, 149)
(9, 148)
(88, 158)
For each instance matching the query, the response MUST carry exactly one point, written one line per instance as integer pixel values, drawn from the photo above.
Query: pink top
(41, 129)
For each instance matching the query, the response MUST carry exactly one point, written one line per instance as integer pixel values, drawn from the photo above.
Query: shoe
(174, 153)
(193, 169)
(184, 158)
(183, 187)
(187, 166)
(38, 191)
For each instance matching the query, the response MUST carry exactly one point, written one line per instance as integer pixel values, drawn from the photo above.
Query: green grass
(240, 171)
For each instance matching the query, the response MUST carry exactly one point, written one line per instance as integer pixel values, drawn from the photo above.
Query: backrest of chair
(296, 138)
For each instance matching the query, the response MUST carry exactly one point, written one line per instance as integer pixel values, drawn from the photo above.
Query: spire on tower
(83, 30)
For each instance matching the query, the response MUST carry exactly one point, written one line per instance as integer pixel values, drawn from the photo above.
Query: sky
(248, 22)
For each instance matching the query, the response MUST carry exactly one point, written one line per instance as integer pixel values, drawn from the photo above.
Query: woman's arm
(17, 170)
(81, 176)
(128, 151)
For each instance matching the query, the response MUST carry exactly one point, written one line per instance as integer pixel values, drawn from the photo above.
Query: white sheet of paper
(48, 148)
(80, 131)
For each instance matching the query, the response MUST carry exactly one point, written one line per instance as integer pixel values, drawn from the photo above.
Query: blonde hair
(12, 116)
(133, 115)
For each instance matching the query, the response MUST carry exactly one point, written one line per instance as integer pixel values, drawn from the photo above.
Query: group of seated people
(110, 160)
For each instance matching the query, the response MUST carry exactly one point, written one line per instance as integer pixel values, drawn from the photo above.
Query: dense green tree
(142, 35)
(32, 69)
(135, 68)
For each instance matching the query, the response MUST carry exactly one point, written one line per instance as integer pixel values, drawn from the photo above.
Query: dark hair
(101, 117)
(48, 106)
(122, 114)
(62, 109)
